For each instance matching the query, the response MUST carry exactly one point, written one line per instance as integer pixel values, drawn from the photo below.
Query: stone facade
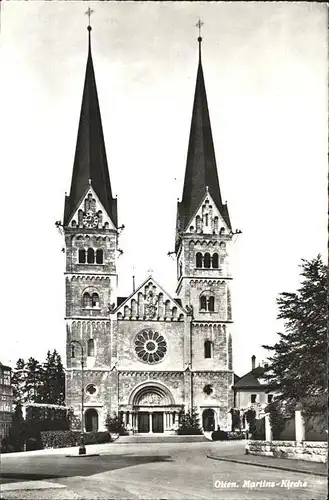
(312, 451)
(148, 356)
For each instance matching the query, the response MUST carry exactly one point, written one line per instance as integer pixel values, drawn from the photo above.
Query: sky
(265, 67)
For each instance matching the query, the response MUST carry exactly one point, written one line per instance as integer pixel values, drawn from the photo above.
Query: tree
(53, 389)
(189, 422)
(34, 380)
(39, 383)
(299, 359)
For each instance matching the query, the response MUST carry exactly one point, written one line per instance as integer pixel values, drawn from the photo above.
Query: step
(161, 438)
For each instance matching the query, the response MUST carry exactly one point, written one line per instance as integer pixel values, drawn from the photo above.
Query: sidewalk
(315, 468)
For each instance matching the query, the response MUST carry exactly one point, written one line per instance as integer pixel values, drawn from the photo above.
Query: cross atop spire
(199, 25)
(90, 163)
(88, 13)
(201, 175)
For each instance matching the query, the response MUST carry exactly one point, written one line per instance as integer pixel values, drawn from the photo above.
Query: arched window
(91, 347)
(99, 256)
(198, 223)
(215, 261)
(86, 300)
(82, 256)
(90, 256)
(72, 351)
(211, 303)
(207, 301)
(216, 224)
(203, 303)
(95, 300)
(222, 230)
(208, 349)
(198, 259)
(207, 260)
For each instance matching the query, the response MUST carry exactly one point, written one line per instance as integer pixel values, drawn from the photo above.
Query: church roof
(90, 162)
(201, 168)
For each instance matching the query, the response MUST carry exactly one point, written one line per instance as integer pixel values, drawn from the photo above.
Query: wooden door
(157, 421)
(143, 422)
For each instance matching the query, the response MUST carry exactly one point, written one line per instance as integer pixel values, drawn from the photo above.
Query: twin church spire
(90, 162)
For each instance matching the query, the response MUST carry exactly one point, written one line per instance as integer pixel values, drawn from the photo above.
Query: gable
(90, 204)
(150, 302)
(207, 219)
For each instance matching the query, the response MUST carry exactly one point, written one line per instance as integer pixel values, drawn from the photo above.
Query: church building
(151, 354)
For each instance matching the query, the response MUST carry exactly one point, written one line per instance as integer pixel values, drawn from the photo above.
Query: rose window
(150, 346)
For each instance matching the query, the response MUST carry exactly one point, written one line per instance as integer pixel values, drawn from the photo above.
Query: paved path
(151, 471)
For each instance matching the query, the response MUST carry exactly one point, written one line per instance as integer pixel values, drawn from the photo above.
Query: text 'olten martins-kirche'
(150, 354)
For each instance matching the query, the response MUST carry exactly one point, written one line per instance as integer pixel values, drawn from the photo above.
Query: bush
(31, 444)
(97, 437)
(219, 435)
(114, 424)
(236, 435)
(67, 439)
(59, 439)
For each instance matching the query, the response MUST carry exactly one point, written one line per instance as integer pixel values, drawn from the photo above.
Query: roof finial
(199, 25)
(88, 12)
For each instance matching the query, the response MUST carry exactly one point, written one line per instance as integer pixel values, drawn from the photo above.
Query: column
(299, 426)
(268, 428)
(150, 423)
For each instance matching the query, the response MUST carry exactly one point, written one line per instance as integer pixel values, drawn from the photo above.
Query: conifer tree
(299, 358)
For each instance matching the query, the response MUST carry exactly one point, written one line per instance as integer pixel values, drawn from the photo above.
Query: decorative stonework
(150, 303)
(150, 346)
(150, 399)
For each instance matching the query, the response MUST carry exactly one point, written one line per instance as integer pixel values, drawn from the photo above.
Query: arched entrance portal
(154, 409)
(208, 420)
(91, 420)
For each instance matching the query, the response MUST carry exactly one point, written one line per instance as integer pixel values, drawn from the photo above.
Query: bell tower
(203, 248)
(90, 229)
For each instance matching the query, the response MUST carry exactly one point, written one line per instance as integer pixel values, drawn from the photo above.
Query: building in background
(251, 390)
(6, 400)
(151, 354)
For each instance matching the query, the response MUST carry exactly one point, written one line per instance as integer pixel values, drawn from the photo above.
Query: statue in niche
(150, 305)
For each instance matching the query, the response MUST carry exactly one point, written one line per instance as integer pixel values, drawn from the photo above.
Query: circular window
(150, 346)
(91, 389)
(208, 389)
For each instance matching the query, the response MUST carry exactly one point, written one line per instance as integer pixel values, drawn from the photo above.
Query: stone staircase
(160, 438)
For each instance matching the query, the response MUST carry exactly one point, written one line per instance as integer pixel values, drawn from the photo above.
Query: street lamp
(82, 448)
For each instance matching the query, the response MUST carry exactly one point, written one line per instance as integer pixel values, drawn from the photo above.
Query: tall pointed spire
(90, 162)
(201, 170)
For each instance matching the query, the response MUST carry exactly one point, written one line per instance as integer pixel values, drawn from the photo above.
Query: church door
(157, 422)
(91, 420)
(143, 422)
(208, 420)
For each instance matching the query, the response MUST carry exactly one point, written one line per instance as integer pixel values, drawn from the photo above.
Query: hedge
(66, 439)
